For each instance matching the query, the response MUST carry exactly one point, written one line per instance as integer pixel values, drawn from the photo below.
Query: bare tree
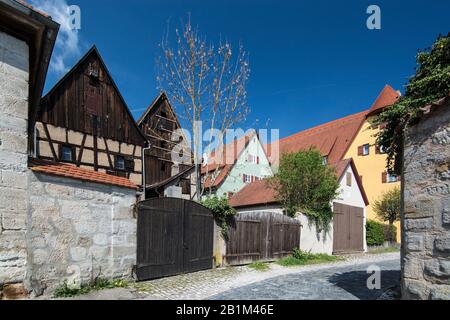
(206, 84)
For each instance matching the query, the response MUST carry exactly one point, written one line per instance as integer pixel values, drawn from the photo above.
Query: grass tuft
(383, 250)
(259, 266)
(66, 291)
(301, 258)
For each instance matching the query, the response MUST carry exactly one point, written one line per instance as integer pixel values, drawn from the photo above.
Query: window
(325, 160)
(247, 178)
(366, 149)
(67, 153)
(349, 179)
(391, 178)
(120, 163)
(380, 150)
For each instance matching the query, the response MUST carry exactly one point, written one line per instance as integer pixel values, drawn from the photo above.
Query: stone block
(446, 212)
(442, 244)
(99, 252)
(59, 191)
(13, 161)
(101, 239)
(85, 227)
(78, 254)
(419, 224)
(438, 269)
(40, 256)
(413, 289)
(413, 268)
(14, 291)
(12, 220)
(440, 292)
(414, 242)
(12, 179)
(75, 210)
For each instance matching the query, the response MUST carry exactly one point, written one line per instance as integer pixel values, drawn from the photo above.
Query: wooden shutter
(384, 177)
(377, 150)
(360, 150)
(244, 176)
(257, 160)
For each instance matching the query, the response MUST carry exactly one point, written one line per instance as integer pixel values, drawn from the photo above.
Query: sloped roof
(94, 51)
(29, 6)
(332, 139)
(260, 193)
(74, 172)
(223, 162)
(387, 97)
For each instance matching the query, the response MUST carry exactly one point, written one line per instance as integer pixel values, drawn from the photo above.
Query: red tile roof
(332, 139)
(260, 193)
(73, 172)
(387, 97)
(224, 164)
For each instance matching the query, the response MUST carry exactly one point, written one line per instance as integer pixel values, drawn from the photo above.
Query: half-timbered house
(84, 121)
(168, 161)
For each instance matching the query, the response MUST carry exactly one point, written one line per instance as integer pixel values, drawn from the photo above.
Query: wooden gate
(173, 236)
(348, 228)
(261, 236)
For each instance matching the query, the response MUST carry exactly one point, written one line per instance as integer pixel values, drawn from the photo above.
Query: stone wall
(13, 157)
(78, 230)
(426, 212)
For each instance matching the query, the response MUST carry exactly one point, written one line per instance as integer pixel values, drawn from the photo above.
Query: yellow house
(369, 159)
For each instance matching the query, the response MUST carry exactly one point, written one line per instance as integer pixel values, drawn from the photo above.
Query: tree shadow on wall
(355, 282)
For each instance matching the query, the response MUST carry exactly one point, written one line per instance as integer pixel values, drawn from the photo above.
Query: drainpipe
(144, 182)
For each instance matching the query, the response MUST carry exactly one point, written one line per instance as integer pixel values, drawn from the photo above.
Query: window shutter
(399, 178)
(377, 150)
(384, 177)
(253, 179)
(257, 160)
(360, 150)
(244, 176)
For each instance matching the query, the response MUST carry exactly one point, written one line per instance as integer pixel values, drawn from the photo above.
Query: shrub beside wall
(378, 233)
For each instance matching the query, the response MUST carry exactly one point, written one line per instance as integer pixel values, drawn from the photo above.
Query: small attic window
(93, 72)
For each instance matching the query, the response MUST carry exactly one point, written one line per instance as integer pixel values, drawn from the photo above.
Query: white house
(346, 233)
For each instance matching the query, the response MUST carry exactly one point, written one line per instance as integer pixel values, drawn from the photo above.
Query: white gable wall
(234, 181)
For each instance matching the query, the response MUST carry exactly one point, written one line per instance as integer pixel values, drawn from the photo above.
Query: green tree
(387, 207)
(430, 83)
(305, 184)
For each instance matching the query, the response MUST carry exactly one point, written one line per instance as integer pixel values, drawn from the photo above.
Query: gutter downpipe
(144, 182)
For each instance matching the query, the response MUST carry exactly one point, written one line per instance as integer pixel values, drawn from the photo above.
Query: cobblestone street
(339, 280)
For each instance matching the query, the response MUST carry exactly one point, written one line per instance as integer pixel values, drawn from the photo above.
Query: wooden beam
(107, 154)
(80, 154)
(49, 139)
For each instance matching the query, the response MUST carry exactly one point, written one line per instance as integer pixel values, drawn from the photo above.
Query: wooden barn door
(348, 228)
(173, 236)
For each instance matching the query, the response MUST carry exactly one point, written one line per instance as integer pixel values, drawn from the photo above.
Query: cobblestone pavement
(335, 283)
(339, 280)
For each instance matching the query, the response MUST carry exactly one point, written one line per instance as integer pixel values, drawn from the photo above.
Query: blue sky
(311, 61)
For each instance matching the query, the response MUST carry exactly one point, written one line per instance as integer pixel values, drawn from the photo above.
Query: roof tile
(73, 172)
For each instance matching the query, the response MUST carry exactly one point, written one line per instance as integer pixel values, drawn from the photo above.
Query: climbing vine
(430, 83)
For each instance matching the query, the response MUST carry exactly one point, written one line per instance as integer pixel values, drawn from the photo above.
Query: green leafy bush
(374, 233)
(222, 211)
(305, 184)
